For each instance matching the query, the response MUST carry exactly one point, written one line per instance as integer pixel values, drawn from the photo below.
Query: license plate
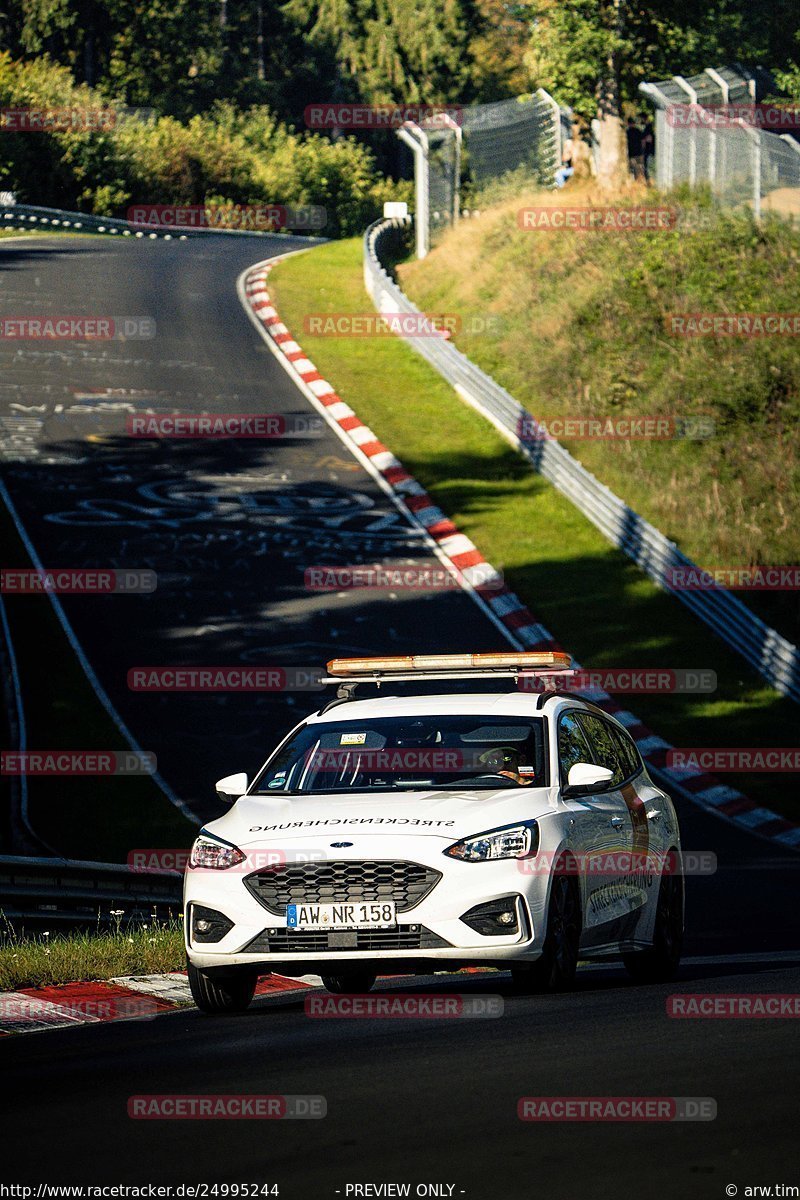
(375, 915)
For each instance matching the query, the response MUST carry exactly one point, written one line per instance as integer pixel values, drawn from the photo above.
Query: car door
(628, 883)
(598, 823)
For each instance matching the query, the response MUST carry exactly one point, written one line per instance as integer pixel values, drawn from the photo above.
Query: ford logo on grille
(338, 845)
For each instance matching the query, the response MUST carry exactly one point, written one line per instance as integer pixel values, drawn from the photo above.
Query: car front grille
(340, 881)
(290, 941)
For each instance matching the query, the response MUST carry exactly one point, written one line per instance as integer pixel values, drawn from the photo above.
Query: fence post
(556, 110)
(755, 138)
(419, 149)
(692, 94)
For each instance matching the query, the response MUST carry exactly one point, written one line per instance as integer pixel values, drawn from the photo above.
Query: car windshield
(394, 754)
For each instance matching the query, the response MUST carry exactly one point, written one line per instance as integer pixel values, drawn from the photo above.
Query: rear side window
(572, 745)
(607, 750)
(628, 752)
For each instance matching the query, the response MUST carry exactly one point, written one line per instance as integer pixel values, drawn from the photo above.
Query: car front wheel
(555, 970)
(221, 991)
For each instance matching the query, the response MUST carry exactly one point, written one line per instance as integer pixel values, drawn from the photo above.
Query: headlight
(510, 841)
(212, 854)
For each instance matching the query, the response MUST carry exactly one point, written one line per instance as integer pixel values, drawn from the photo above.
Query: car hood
(266, 820)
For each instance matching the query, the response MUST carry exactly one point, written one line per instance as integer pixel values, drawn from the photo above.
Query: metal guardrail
(770, 654)
(33, 216)
(67, 892)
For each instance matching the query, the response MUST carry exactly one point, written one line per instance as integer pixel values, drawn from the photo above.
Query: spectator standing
(648, 149)
(635, 155)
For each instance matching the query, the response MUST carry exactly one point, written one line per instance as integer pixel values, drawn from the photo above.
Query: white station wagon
(509, 825)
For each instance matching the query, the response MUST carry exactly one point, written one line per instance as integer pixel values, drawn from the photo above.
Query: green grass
(590, 596)
(82, 817)
(150, 949)
(584, 335)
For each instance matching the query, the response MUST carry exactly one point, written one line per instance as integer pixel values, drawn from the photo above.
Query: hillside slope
(582, 318)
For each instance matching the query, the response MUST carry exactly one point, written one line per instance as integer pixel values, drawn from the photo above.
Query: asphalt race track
(230, 527)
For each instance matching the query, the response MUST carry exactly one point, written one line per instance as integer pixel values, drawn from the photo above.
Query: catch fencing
(710, 131)
(514, 142)
(770, 654)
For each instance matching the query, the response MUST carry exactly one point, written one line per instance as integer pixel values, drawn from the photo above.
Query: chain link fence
(510, 143)
(709, 132)
(519, 137)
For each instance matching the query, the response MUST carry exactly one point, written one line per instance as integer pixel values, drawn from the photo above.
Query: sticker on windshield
(526, 770)
(352, 739)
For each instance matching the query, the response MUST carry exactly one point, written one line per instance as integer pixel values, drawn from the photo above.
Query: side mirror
(232, 787)
(587, 777)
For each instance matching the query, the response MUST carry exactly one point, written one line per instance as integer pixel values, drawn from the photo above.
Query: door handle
(617, 821)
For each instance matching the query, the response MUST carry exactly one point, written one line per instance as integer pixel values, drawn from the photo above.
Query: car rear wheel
(350, 982)
(555, 970)
(221, 991)
(660, 963)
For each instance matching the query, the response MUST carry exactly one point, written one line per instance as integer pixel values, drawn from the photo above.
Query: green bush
(224, 156)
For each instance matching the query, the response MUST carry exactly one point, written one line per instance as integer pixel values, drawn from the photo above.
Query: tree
(592, 54)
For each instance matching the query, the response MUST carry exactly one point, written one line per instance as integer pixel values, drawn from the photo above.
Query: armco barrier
(770, 654)
(34, 217)
(65, 893)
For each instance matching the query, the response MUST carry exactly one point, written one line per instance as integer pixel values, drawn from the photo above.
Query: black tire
(660, 963)
(221, 991)
(352, 982)
(555, 970)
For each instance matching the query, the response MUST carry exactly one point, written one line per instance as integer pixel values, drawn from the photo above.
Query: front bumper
(429, 932)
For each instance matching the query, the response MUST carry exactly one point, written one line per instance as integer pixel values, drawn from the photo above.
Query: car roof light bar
(433, 665)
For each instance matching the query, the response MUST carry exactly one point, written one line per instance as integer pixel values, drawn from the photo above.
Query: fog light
(208, 925)
(493, 918)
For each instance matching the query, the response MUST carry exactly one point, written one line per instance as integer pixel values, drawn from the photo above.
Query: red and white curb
(462, 557)
(127, 998)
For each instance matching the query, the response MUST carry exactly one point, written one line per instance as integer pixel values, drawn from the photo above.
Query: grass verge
(593, 599)
(584, 319)
(150, 949)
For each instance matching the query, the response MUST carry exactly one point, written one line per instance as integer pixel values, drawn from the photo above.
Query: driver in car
(506, 760)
